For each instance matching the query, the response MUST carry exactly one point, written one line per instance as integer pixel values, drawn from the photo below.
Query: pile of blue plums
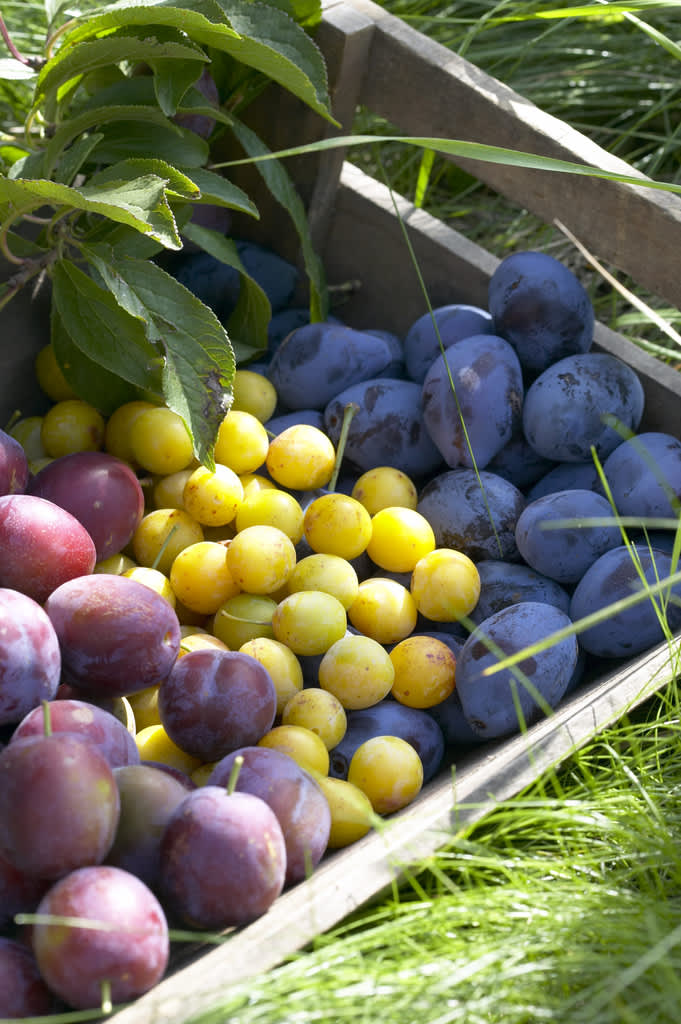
(527, 449)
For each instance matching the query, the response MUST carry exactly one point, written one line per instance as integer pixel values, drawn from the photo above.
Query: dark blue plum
(396, 368)
(564, 553)
(565, 476)
(389, 718)
(506, 583)
(387, 430)
(489, 701)
(567, 408)
(473, 513)
(541, 308)
(455, 727)
(644, 475)
(313, 417)
(214, 282)
(615, 576)
(286, 320)
(454, 322)
(277, 277)
(316, 362)
(518, 462)
(470, 427)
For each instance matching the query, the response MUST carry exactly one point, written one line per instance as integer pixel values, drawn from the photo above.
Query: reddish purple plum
(14, 473)
(41, 546)
(93, 723)
(223, 858)
(101, 491)
(30, 658)
(131, 954)
(117, 636)
(23, 993)
(214, 701)
(59, 804)
(294, 796)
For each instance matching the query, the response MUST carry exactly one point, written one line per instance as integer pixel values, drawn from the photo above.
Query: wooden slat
(426, 89)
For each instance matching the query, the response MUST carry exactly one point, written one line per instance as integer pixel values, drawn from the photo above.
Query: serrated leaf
(30, 166)
(248, 323)
(103, 331)
(271, 42)
(96, 118)
(74, 158)
(282, 188)
(73, 62)
(220, 191)
(178, 146)
(199, 359)
(88, 379)
(258, 35)
(172, 78)
(127, 170)
(306, 12)
(12, 70)
(140, 203)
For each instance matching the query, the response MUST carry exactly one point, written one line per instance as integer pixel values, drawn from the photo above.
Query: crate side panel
(427, 90)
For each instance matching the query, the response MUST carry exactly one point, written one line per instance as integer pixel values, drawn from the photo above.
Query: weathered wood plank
(426, 89)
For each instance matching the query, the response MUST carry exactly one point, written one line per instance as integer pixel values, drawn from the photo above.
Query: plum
(41, 546)
(23, 993)
(317, 361)
(131, 953)
(222, 858)
(101, 491)
(117, 636)
(293, 795)
(444, 326)
(644, 475)
(14, 473)
(93, 723)
(30, 657)
(504, 583)
(492, 703)
(616, 575)
(390, 718)
(389, 428)
(577, 403)
(475, 513)
(214, 701)
(59, 804)
(472, 399)
(541, 308)
(565, 552)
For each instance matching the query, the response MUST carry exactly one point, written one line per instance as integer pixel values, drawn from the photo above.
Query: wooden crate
(377, 61)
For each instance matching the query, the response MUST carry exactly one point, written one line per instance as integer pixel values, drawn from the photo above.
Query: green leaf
(172, 78)
(150, 117)
(71, 63)
(257, 35)
(74, 158)
(104, 332)
(32, 165)
(199, 361)
(282, 188)
(219, 191)
(52, 9)
(306, 12)
(88, 378)
(140, 203)
(128, 170)
(271, 42)
(133, 138)
(248, 323)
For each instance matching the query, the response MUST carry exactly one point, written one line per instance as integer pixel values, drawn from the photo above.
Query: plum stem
(234, 774)
(348, 414)
(107, 1005)
(47, 718)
